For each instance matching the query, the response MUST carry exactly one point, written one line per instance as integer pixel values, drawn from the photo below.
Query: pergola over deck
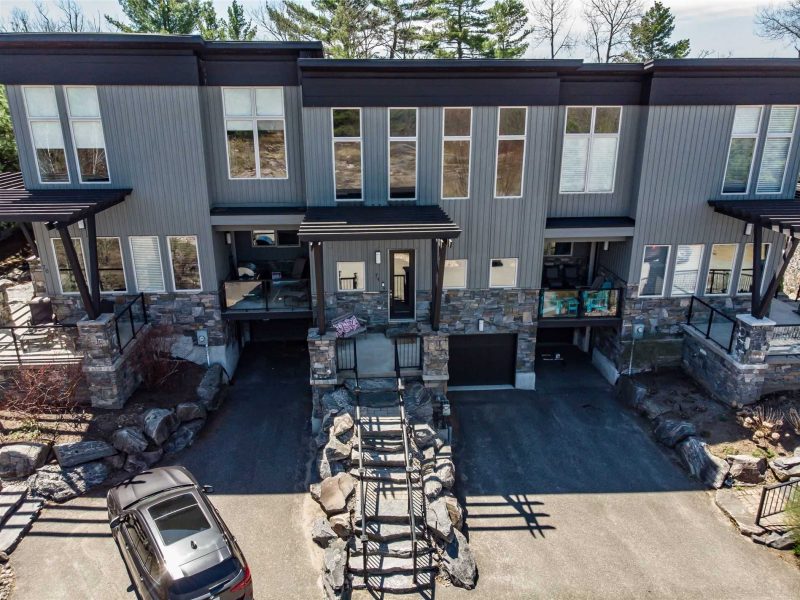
(58, 209)
(354, 223)
(779, 215)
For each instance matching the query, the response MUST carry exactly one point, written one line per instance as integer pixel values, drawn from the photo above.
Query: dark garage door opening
(488, 359)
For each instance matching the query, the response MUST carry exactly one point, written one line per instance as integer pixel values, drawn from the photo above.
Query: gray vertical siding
(318, 156)
(376, 275)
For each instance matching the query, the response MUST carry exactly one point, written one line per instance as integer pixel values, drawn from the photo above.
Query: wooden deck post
(319, 280)
(93, 268)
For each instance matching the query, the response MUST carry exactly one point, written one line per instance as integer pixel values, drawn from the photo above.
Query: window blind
(147, 263)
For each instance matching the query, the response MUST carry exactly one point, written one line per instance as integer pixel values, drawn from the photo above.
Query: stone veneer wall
(373, 307)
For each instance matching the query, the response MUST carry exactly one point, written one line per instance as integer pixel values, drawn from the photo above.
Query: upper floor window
(86, 125)
(46, 134)
(256, 133)
(511, 128)
(456, 146)
(742, 149)
(589, 156)
(347, 169)
(402, 153)
(780, 131)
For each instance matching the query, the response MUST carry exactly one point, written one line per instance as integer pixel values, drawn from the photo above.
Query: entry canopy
(376, 223)
(780, 215)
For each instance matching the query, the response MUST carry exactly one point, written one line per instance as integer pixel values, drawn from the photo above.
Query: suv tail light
(244, 582)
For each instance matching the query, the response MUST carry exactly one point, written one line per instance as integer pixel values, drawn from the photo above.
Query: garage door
(482, 359)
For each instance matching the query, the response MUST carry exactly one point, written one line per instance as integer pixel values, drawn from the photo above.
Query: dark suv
(173, 541)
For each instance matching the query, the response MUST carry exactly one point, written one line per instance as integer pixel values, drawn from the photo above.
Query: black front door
(402, 295)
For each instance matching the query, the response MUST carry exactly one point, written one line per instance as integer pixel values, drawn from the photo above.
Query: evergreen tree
(402, 21)
(456, 29)
(236, 27)
(160, 16)
(650, 37)
(508, 29)
(8, 148)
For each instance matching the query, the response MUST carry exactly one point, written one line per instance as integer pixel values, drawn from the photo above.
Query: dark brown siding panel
(250, 72)
(599, 93)
(667, 91)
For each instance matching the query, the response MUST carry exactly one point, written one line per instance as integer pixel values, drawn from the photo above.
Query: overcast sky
(723, 27)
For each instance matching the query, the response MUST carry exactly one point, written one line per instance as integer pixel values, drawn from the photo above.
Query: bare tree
(69, 17)
(609, 23)
(780, 23)
(552, 24)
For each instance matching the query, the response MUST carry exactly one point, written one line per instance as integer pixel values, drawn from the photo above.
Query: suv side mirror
(115, 522)
(208, 489)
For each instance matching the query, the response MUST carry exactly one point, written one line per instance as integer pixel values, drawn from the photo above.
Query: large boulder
(671, 432)
(438, 520)
(322, 533)
(129, 440)
(446, 472)
(77, 453)
(424, 436)
(336, 450)
(419, 403)
(342, 525)
(631, 393)
(136, 463)
(746, 468)
(56, 483)
(189, 411)
(334, 493)
(342, 427)
(208, 391)
(454, 510)
(785, 467)
(458, 562)
(159, 423)
(335, 563)
(703, 465)
(20, 460)
(338, 400)
(432, 486)
(184, 436)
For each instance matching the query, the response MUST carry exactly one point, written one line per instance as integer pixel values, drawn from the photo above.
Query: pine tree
(160, 16)
(402, 20)
(650, 37)
(508, 29)
(456, 29)
(8, 148)
(236, 27)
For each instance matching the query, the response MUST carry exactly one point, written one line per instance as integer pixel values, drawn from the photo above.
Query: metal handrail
(17, 340)
(128, 307)
(780, 495)
(405, 428)
(361, 474)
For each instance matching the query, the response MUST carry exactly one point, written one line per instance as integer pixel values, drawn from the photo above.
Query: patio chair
(572, 276)
(553, 277)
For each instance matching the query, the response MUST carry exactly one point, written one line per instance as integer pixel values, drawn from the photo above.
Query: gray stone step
(11, 496)
(18, 524)
(387, 565)
(374, 458)
(384, 532)
(389, 474)
(385, 509)
(395, 584)
(380, 445)
(381, 427)
(396, 548)
(373, 384)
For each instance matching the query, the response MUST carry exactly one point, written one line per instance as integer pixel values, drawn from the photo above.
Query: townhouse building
(507, 203)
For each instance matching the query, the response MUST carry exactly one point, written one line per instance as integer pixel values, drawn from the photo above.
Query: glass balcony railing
(261, 295)
(580, 304)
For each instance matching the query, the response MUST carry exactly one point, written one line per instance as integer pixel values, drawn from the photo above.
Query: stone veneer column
(752, 339)
(37, 276)
(323, 376)
(5, 308)
(435, 356)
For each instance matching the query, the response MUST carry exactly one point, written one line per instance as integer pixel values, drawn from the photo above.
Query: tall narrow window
(185, 263)
(255, 127)
(742, 149)
(402, 153)
(347, 153)
(456, 147)
(589, 155)
(66, 277)
(780, 131)
(109, 263)
(87, 133)
(503, 272)
(147, 269)
(511, 129)
(720, 269)
(746, 272)
(654, 270)
(48, 139)
(688, 259)
(455, 274)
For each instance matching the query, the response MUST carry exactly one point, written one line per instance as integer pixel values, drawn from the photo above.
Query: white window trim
(457, 138)
(255, 119)
(466, 275)
(160, 262)
(524, 138)
(769, 136)
(516, 274)
(99, 119)
(122, 257)
(731, 289)
(591, 136)
(359, 139)
(57, 120)
(763, 270)
(58, 270)
(400, 138)
(734, 136)
(363, 287)
(667, 272)
(172, 267)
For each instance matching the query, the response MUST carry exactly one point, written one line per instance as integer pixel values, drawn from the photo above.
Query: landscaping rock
(419, 403)
(424, 436)
(329, 468)
(730, 501)
(785, 467)
(630, 393)
(342, 525)
(184, 436)
(189, 411)
(129, 440)
(143, 460)
(746, 468)
(78, 453)
(20, 460)
(342, 427)
(115, 462)
(338, 400)
(779, 541)
(56, 483)
(671, 432)
(446, 472)
(438, 520)
(159, 423)
(335, 563)
(208, 391)
(321, 532)
(432, 487)
(336, 450)
(454, 510)
(458, 562)
(701, 463)
(653, 407)
(334, 492)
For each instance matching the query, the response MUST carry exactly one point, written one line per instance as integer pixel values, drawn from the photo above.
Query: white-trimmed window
(686, 274)
(147, 266)
(455, 274)
(553, 248)
(589, 155)
(255, 129)
(503, 272)
(402, 153)
(66, 278)
(350, 276)
(456, 150)
(184, 263)
(110, 265)
(780, 131)
(720, 269)
(742, 149)
(46, 134)
(746, 270)
(512, 125)
(347, 165)
(86, 125)
(654, 270)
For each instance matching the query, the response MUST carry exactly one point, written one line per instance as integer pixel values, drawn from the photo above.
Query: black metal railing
(347, 355)
(347, 284)
(264, 295)
(712, 323)
(580, 303)
(775, 499)
(407, 353)
(785, 340)
(31, 345)
(129, 320)
(718, 281)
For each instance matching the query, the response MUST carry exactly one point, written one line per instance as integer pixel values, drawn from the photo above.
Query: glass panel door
(402, 292)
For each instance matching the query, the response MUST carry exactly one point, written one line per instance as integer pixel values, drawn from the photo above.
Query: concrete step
(386, 509)
(387, 565)
(381, 427)
(380, 445)
(18, 524)
(389, 474)
(384, 532)
(11, 496)
(379, 381)
(374, 458)
(395, 584)
(396, 548)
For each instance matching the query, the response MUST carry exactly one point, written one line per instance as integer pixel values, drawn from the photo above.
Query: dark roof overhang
(778, 215)
(377, 223)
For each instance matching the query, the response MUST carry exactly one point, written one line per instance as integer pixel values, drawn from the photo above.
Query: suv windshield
(178, 517)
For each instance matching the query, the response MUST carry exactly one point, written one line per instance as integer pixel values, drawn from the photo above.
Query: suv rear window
(200, 583)
(178, 518)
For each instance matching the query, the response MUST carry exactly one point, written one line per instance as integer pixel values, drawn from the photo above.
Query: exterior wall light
(377, 257)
